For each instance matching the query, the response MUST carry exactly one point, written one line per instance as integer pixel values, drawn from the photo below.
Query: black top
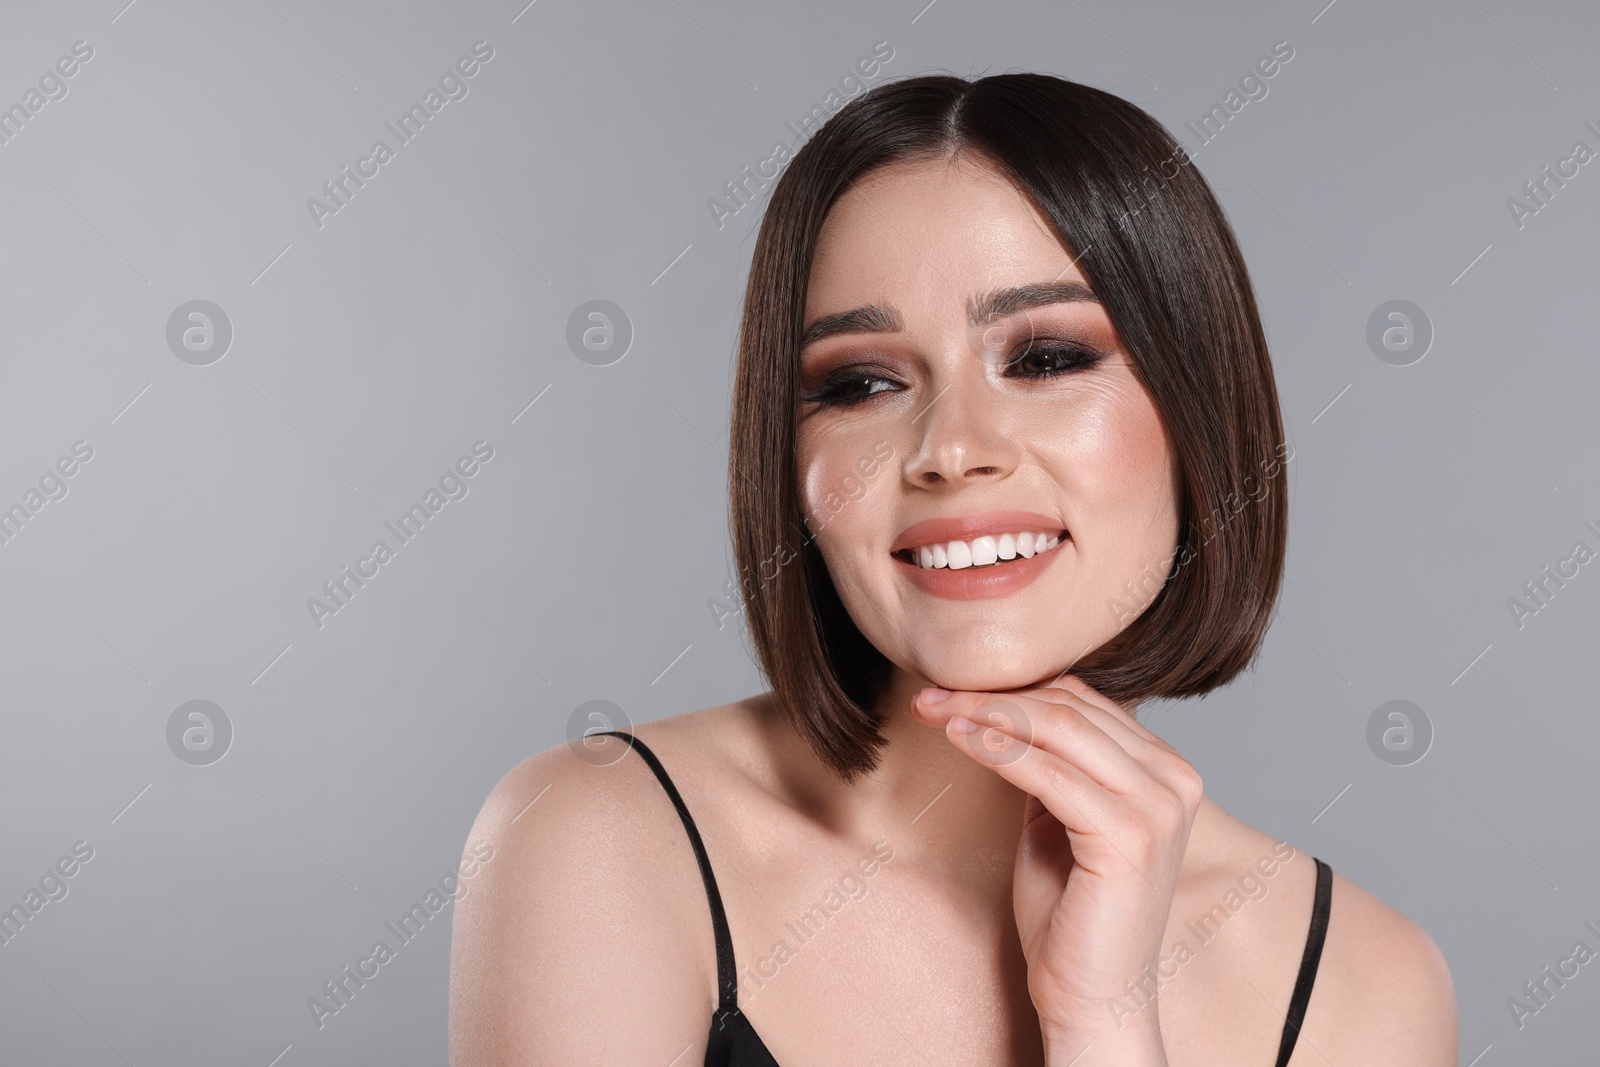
(735, 1043)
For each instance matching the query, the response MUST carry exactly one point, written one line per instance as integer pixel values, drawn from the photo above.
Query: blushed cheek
(826, 485)
(1113, 461)
(815, 509)
(1139, 486)
(1139, 447)
(1102, 434)
(813, 470)
(846, 491)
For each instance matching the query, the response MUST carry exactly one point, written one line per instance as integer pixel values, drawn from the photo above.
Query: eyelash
(832, 391)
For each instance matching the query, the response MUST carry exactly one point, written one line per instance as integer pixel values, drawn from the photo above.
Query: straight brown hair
(1153, 243)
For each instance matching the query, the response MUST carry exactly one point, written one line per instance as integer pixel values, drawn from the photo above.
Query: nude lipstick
(978, 557)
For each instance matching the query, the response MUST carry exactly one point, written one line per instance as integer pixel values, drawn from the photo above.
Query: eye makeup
(1038, 358)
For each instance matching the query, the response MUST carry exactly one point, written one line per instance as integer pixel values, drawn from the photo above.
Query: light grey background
(432, 310)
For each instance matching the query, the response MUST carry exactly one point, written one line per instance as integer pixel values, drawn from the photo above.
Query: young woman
(1006, 459)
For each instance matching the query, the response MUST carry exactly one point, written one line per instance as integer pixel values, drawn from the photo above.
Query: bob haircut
(1153, 243)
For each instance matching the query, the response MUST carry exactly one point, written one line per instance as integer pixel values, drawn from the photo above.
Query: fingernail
(933, 696)
(961, 725)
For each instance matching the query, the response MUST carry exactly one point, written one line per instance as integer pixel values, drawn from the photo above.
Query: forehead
(931, 233)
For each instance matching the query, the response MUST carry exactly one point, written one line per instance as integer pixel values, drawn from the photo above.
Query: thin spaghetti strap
(1308, 964)
(727, 976)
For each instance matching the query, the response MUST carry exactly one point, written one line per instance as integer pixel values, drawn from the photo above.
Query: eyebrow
(997, 303)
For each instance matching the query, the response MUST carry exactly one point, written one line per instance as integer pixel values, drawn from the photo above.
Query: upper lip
(967, 527)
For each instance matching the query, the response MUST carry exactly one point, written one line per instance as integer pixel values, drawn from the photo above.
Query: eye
(849, 386)
(1036, 359)
(1046, 359)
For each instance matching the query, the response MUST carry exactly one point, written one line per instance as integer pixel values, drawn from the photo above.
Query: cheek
(1115, 459)
(818, 471)
(829, 481)
(1113, 433)
(1139, 494)
(834, 466)
(844, 483)
(1135, 446)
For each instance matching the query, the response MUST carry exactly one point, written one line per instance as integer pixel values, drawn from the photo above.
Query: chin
(982, 670)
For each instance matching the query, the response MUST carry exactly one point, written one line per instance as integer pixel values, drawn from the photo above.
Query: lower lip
(981, 583)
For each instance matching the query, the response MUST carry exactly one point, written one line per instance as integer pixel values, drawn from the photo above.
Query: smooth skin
(1042, 864)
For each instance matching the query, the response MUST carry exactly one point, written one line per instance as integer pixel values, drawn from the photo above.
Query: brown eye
(848, 387)
(1048, 360)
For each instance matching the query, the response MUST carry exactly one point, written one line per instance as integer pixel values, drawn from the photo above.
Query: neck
(942, 811)
(933, 802)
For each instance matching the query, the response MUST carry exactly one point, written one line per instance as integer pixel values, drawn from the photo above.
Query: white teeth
(983, 551)
(960, 554)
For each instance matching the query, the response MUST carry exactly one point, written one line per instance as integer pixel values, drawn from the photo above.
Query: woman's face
(933, 402)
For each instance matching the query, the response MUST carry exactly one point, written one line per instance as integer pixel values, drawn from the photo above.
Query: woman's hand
(1104, 831)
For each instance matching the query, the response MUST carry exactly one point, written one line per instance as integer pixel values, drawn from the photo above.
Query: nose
(962, 436)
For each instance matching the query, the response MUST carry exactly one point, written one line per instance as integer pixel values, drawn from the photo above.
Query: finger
(1161, 760)
(1077, 801)
(1137, 831)
(1091, 739)
(1088, 693)
(932, 705)
(1103, 711)
(935, 706)
(967, 702)
(1059, 729)
(1088, 811)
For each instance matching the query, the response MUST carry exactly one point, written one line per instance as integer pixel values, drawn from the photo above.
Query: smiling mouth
(986, 551)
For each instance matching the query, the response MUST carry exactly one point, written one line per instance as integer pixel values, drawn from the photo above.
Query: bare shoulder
(1390, 998)
(581, 933)
(1382, 995)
